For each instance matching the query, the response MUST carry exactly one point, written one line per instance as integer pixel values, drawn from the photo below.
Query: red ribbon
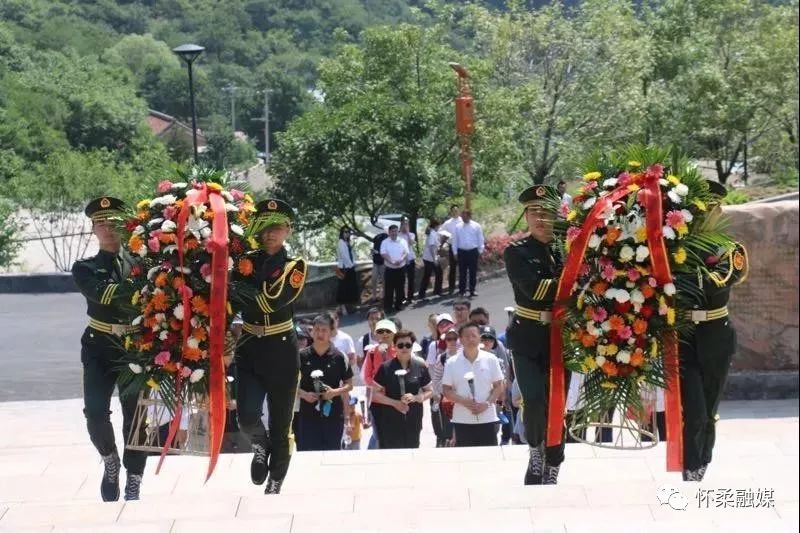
(651, 199)
(218, 246)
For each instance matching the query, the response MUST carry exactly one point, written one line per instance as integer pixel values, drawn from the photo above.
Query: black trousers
(393, 294)
(319, 433)
(442, 427)
(411, 271)
(451, 271)
(268, 367)
(431, 267)
(100, 354)
(467, 266)
(468, 435)
(530, 344)
(704, 361)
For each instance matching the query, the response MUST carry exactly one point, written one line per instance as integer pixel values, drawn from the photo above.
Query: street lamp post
(190, 52)
(465, 126)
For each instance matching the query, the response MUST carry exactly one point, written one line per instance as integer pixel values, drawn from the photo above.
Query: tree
(224, 151)
(9, 229)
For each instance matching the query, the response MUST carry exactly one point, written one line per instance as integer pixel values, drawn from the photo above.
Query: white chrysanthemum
(198, 210)
(682, 189)
(184, 270)
(196, 375)
(674, 197)
(594, 241)
(622, 296)
(589, 203)
(237, 229)
(178, 311)
(624, 356)
(600, 360)
(152, 272)
(316, 374)
(193, 343)
(194, 321)
(168, 226)
(230, 263)
(606, 326)
(611, 182)
(136, 369)
(669, 289)
(663, 182)
(205, 233)
(228, 196)
(626, 254)
(637, 297)
(160, 317)
(170, 249)
(138, 230)
(155, 222)
(687, 215)
(630, 284)
(669, 233)
(230, 208)
(642, 253)
(179, 185)
(137, 320)
(163, 335)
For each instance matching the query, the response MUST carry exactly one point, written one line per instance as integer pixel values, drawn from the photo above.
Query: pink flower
(584, 269)
(563, 210)
(654, 172)
(162, 358)
(187, 291)
(624, 179)
(592, 185)
(237, 195)
(633, 274)
(153, 244)
(186, 372)
(604, 262)
(164, 186)
(652, 281)
(675, 219)
(572, 233)
(205, 271)
(170, 212)
(625, 333)
(599, 314)
(609, 273)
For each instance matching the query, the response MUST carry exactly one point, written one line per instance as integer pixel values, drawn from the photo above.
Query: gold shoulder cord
(280, 281)
(719, 280)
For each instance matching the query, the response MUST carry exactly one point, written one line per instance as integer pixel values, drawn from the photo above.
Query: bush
(492, 256)
(9, 229)
(736, 198)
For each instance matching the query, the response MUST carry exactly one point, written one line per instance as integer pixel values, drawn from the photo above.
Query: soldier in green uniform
(267, 357)
(534, 266)
(103, 281)
(707, 350)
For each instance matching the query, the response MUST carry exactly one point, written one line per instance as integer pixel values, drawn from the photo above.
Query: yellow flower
(580, 301)
(633, 187)
(608, 385)
(671, 316)
(152, 384)
(127, 342)
(701, 205)
(230, 309)
(682, 230)
(653, 349)
(679, 255)
(252, 242)
(640, 379)
(214, 187)
(571, 215)
(634, 164)
(248, 198)
(592, 176)
(142, 205)
(674, 180)
(135, 298)
(611, 349)
(589, 363)
(640, 235)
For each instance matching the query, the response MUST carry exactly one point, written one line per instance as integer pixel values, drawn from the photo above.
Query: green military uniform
(267, 359)
(102, 280)
(534, 268)
(706, 353)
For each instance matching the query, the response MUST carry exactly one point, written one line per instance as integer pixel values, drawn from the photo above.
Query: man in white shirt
(449, 227)
(394, 251)
(566, 198)
(468, 246)
(411, 265)
(473, 381)
(343, 342)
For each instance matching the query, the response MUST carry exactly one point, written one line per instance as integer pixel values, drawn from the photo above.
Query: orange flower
(191, 244)
(135, 243)
(178, 204)
(639, 326)
(588, 340)
(612, 235)
(199, 306)
(175, 324)
(610, 369)
(161, 280)
(243, 217)
(199, 334)
(599, 287)
(209, 214)
(166, 238)
(142, 215)
(160, 301)
(637, 357)
(170, 367)
(245, 267)
(178, 282)
(149, 321)
(616, 322)
(145, 346)
(647, 290)
(192, 354)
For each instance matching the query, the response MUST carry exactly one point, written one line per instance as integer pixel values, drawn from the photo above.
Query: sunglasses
(451, 339)
(404, 345)
(383, 332)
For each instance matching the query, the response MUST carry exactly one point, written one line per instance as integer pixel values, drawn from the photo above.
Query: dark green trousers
(268, 367)
(705, 358)
(530, 344)
(100, 355)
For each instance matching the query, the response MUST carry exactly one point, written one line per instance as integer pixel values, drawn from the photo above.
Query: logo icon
(540, 191)
(105, 203)
(669, 495)
(272, 205)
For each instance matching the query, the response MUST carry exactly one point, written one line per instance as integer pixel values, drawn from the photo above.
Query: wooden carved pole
(465, 126)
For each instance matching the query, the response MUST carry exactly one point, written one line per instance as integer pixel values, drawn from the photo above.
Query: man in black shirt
(377, 265)
(325, 379)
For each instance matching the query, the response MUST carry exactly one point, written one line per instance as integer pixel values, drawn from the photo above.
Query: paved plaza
(49, 479)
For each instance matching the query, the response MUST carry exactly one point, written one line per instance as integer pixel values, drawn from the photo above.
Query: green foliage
(10, 227)
(736, 197)
(224, 150)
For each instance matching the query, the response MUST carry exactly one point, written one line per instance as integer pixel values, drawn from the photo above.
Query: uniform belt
(706, 315)
(260, 330)
(114, 329)
(534, 314)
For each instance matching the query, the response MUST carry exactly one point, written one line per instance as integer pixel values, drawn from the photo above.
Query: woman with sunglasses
(378, 354)
(401, 387)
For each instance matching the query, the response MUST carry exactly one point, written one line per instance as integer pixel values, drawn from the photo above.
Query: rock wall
(764, 308)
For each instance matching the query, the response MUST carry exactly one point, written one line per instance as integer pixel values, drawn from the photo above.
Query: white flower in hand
(383, 347)
(317, 374)
(400, 372)
(469, 376)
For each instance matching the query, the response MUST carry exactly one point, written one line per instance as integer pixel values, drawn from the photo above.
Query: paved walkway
(49, 478)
